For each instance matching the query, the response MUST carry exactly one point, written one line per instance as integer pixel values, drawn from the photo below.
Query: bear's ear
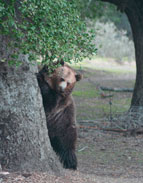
(40, 74)
(78, 77)
(62, 62)
(44, 70)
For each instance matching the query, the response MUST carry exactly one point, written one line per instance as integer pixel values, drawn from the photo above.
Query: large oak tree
(33, 30)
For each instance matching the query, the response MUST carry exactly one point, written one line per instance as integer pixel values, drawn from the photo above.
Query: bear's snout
(62, 85)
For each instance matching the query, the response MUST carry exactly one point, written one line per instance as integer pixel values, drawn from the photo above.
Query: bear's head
(62, 79)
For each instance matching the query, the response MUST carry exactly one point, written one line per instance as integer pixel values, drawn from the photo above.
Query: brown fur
(60, 112)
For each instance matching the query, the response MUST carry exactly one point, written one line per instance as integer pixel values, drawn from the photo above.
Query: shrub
(113, 43)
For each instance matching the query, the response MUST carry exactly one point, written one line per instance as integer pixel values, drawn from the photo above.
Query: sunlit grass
(105, 64)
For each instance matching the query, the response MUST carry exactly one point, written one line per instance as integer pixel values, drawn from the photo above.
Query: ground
(103, 156)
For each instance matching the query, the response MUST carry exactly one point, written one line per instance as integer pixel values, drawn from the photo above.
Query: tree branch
(121, 4)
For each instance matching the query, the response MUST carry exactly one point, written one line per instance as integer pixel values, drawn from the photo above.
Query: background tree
(134, 12)
(30, 30)
(104, 12)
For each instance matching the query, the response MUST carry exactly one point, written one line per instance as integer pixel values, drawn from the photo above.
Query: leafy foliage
(46, 29)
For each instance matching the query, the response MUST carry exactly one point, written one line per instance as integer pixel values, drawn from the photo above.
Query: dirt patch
(68, 177)
(110, 154)
(102, 153)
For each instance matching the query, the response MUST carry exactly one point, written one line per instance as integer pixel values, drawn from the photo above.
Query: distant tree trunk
(135, 16)
(134, 12)
(24, 141)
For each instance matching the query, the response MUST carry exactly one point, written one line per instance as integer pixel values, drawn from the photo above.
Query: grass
(85, 90)
(118, 105)
(86, 94)
(90, 104)
(105, 64)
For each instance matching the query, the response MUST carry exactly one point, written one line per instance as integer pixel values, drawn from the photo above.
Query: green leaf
(47, 29)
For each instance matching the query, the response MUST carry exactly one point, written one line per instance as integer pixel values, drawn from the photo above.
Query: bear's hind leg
(69, 159)
(66, 156)
(56, 145)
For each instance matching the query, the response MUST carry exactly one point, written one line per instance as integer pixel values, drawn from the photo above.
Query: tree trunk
(134, 12)
(135, 16)
(24, 142)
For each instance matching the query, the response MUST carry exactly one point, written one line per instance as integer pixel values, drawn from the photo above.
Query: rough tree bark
(135, 16)
(24, 142)
(134, 12)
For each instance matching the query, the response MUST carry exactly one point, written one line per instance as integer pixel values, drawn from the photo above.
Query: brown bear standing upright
(59, 108)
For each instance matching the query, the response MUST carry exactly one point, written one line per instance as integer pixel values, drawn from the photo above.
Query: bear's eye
(62, 79)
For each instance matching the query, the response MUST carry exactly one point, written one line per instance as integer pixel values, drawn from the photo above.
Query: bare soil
(105, 153)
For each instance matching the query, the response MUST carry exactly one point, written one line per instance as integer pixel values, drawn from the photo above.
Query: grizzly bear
(56, 88)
